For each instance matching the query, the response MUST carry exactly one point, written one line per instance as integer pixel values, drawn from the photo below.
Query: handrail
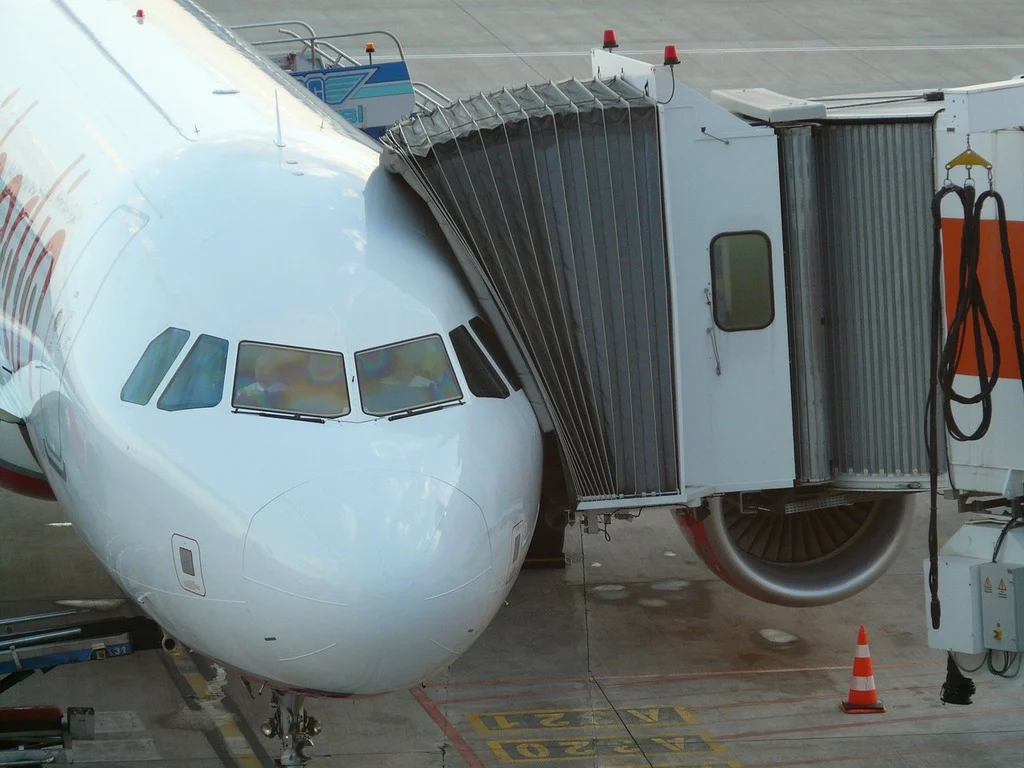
(262, 24)
(317, 52)
(428, 92)
(341, 55)
(321, 39)
(319, 45)
(37, 617)
(398, 45)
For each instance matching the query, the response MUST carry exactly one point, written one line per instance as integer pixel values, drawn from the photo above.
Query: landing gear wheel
(295, 728)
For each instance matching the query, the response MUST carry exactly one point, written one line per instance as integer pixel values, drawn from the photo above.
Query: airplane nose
(369, 580)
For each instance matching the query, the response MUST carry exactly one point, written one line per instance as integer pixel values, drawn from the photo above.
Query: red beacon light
(609, 40)
(140, 14)
(671, 56)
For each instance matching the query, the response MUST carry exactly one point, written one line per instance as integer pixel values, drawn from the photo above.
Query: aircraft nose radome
(376, 577)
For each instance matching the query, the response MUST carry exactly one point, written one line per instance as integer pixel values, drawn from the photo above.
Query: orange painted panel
(992, 275)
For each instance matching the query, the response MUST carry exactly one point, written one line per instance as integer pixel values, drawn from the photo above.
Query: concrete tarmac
(635, 655)
(796, 47)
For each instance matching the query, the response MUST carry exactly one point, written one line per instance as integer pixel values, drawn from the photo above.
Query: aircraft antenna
(277, 109)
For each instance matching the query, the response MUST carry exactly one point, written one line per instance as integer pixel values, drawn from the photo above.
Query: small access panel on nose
(187, 563)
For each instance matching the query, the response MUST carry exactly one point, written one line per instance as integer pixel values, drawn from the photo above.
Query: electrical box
(1002, 612)
(960, 627)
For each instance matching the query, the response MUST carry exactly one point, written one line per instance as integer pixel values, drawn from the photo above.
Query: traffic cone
(863, 698)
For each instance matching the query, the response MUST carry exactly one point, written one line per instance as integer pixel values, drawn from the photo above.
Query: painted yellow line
(235, 743)
(565, 719)
(607, 747)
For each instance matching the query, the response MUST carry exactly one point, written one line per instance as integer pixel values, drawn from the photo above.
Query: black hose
(970, 304)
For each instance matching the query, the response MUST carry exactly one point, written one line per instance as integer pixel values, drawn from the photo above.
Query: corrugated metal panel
(807, 287)
(876, 185)
(557, 191)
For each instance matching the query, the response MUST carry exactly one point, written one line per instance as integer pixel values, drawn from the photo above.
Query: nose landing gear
(294, 726)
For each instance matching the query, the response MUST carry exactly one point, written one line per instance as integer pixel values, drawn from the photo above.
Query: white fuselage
(148, 186)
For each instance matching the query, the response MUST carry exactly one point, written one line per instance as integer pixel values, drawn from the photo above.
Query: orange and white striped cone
(863, 698)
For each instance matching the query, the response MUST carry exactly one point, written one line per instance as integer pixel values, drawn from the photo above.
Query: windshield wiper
(278, 415)
(423, 409)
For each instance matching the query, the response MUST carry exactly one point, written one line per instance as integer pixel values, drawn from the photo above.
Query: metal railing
(324, 54)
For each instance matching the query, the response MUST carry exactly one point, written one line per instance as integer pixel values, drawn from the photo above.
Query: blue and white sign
(372, 97)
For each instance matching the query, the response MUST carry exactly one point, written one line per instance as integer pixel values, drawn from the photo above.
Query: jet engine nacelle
(19, 470)
(802, 558)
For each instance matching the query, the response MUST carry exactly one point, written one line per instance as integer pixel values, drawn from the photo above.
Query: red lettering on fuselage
(8, 198)
(26, 263)
(22, 284)
(17, 122)
(28, 293)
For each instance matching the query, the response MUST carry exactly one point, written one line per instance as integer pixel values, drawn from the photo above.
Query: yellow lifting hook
(968, 159)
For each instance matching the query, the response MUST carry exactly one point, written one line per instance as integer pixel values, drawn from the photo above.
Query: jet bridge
(721, 308)
(588, 218)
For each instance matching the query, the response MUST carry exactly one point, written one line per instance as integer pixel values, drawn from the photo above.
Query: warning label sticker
(987, 586)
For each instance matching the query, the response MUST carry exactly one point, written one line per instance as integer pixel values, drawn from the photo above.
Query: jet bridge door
(724, 229)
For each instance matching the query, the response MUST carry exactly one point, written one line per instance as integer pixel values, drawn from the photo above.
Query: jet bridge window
(300, 382)
(154, 364)
(741, 277)
(407, 375)
(480, 375)
(199, 380)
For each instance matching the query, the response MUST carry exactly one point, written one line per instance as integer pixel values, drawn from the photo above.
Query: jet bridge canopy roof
(551, 197)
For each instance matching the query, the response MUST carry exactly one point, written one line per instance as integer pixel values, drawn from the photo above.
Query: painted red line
(449, 730)
(647, 679)
(518, 695)
(669, 679)
(816, 697)
(700, 708)
(866, 723)
(876, 755)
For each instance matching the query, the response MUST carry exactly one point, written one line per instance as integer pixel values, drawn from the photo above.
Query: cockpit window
(153, 366)
(302, 382)
(489, 338)
(407, 375)
(199, 381)
(482, 379)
